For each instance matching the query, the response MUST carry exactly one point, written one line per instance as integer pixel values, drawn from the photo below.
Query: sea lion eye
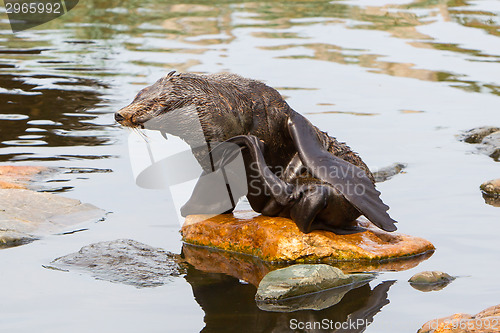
(140, 94)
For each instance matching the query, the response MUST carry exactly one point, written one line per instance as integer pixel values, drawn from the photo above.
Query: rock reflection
(251, 269)
(490, 200)
(229, 306)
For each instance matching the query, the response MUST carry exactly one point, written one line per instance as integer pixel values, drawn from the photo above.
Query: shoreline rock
(18, 177)
(278, 239)
(27, 215)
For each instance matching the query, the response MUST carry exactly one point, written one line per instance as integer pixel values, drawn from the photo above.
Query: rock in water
(476, 135)
(279, 290)
(487, 138)
(124, 261)
(491, 145)
(430, 280)
(27, 215)
(387, 173)
(279, 239)
(298, 280)
(491, 192)
(487, 321)
(491, 188)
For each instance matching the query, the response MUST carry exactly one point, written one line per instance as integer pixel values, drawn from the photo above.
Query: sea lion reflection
(229, 306)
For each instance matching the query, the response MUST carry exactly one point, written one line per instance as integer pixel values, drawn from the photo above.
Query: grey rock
(315, 301)
(281, 286)
(491, 145)
(27, 215)
(487, 139)
(430, 280)
(387, 173)
(124, 261)
(476, 135)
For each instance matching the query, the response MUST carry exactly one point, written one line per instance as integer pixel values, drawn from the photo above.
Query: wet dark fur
(224, 106)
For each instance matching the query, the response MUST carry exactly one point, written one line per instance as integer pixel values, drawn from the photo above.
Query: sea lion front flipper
(280, 190)
(345, 177)
(218, 190)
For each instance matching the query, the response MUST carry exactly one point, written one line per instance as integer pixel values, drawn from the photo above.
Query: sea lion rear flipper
(345, 177)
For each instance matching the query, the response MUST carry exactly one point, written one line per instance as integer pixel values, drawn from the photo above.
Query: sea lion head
(197, 108)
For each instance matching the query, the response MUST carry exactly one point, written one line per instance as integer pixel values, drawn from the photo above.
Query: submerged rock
(287, 284)
(27, 215)
(124, 261)
(301, 279)
(491, 145)
(430, 280)
(387, 173)
(491, 192)
(486, 321)
(279, 239)
(476, 135)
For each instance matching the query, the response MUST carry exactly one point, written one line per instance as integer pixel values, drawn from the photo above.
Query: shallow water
(397, 80)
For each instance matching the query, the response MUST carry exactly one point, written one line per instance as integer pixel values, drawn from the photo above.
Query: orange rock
(12, 176)
(279, 239)
(486, 321)
(6, 185)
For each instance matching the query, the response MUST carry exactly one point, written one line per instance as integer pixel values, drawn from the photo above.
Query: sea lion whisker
(141, 134)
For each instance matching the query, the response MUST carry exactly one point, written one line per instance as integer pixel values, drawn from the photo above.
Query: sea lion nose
(119, 117)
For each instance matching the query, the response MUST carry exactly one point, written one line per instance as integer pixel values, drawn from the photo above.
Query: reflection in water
(491, 200)
(288, 30)
(224, 284)
(252, 269)
(44, 105)
(58, 83)
(229, 306)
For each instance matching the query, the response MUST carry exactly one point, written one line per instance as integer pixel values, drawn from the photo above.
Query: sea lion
(205, 110)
